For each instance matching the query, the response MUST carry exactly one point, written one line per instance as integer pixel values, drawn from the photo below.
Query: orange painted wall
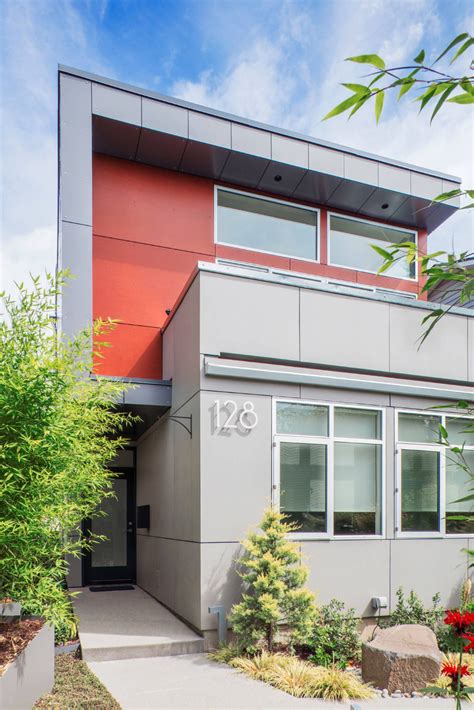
(150, 227)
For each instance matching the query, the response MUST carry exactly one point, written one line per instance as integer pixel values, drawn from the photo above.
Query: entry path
(195, 682)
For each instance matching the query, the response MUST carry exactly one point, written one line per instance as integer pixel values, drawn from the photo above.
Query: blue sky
(274, 61)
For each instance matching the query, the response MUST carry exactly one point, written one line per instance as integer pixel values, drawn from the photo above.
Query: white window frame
(410, 279)
(423, 446)
(221, 188)
(329, 441)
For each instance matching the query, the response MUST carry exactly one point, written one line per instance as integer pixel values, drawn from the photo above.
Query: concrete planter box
(10, 609)
(31, 674)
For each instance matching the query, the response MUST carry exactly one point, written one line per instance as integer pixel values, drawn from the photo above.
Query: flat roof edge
(63, 69)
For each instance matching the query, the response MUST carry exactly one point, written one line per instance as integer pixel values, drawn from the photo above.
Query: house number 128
(233, 418)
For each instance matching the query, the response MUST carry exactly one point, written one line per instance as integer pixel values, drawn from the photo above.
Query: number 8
(247, 411)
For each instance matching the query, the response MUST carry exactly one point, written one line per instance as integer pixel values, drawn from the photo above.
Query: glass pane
(112, 552)
(458, 485)
(266, 226)
(304, 419)
(420, 491)
(351, 246)
(460, 431)
(419, 428)
(357, 489)
(357, 423)
(303, 485)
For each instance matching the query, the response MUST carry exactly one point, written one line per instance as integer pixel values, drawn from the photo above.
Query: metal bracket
(189, 429)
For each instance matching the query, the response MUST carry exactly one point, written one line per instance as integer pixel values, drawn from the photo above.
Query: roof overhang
(149, 128)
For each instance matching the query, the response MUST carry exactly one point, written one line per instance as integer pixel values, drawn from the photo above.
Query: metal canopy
(139, 125)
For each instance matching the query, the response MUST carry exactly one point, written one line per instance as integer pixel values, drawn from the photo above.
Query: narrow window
(266, 225)
(351, 246)
(303, 487)
(420, 490)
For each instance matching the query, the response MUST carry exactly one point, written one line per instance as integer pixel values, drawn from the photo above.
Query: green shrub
(225, 653)
(274, 593)
(335, 638)
(58, 430)
(410, 610)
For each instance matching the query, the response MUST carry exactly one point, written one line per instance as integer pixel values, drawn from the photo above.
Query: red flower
(452, 670)
(469, 644)
(459, 621)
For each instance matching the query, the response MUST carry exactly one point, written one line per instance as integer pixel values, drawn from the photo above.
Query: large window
(329, 468)
(433, 480)
(260, 224)
(351, 240)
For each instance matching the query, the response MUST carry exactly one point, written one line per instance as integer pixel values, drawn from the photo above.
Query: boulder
(402, 658)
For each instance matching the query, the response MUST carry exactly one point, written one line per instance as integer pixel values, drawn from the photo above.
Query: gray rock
(401, 659)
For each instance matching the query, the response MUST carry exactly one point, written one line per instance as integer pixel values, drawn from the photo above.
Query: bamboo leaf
(343, 106)
(452, 44)
(462, 49)
(372, 59)
(441, 101)
(420, 57)
(462, 99)
(379, 99)
(406, 86)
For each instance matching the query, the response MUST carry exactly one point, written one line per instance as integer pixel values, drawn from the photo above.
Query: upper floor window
(350, 243)
(433, 481)
(266, 225)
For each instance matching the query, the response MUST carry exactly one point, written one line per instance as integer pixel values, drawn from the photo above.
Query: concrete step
(117, 625)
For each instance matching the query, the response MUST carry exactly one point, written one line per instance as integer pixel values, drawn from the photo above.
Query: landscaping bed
(15, 637)
(76, 688)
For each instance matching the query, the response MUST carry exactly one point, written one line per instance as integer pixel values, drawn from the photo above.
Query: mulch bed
(14, 637)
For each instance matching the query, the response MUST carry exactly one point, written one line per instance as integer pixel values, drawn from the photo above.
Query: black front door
(113, 559)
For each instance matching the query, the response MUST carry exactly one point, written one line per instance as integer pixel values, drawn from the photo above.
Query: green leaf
(426, 96)
(447, 195)
(406, 86)
(452, 44)
(462, 99)
(443, 98)
(462, 49)
(357, 88)
(420, 57)
(379, 105)
(372, 59)
(343, 106)
(467, 86)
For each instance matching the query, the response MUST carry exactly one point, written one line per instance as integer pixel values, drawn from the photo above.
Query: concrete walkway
(130, 624)
(194, 681)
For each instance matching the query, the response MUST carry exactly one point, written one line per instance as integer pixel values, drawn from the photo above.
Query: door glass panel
(420, 491)
(357, 489)
(303, 474)
(304, 419)
(419, 428)
(458, 485)
(112, 552)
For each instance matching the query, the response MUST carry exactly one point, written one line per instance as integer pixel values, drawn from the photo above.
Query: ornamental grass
(301, 679)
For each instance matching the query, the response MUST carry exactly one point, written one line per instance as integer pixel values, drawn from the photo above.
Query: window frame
(423, 446)
(410, 279)
(330, 440)
(316, 210)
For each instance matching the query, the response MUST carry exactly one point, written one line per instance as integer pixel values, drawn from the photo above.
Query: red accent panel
(136, 283)
(135, 352)
(324, 270)
(422, 248)
(252, 257)
(387, 282)
(141, 203)
(323, 237)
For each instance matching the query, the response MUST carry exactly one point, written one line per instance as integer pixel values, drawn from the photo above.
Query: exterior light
(385, 206)
(278, 178)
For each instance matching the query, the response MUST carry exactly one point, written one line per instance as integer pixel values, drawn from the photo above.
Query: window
(252, 222)
(351, 240)
(432, 478)
(328, 472)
